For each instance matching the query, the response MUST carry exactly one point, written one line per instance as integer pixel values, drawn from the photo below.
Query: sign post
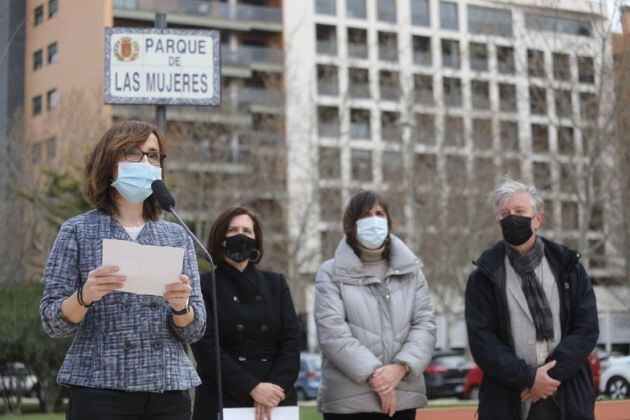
(159, 66)
(160, 110)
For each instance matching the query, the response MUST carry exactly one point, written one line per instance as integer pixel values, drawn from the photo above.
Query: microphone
(167, 203)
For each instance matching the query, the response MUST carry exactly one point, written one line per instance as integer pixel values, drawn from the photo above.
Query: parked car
(615, 381)
(473, 380)
(16, 378)
(446, 374)
(309, 378)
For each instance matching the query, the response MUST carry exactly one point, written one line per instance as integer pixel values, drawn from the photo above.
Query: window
(358, 83)
(561, 66)
(387, 46)
(328, 121)
(568, 175)
(356, 9)
(488, 21)
(329, 163)
(564, 104)
(425, 129)
(420, 13)
(538, 100)
(357, 43)
(53, 8)
(454, 131)
(423, 89)
(569, 215)
(51, 147)
(38, 15)
(507, 97)
(589, 107)
(386, 11)
(452, 92)
(455, 173)
(361, 165)
(51, 99)
(448, 16)
(586, 72)
(542, 175)
(330, 204)
(425, 169)
(566, 142)
(392, 168)
(450, 53)
(512, 168)
(478, 56)
(38, 59)
(37, 105)
(540, 138)
(36, 152)
(329, 242)
(327, 80)
(535, 63)
(325, 7)
(597, 254)
(326, 39)
(390, 126)
(505, 60)
(482, 134)
(422, 50)
(52, 53)
(509, 136)
(360, 124)
(480, 94)
(389, 85)
(555, 24)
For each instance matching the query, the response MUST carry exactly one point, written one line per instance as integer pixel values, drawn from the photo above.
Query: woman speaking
(128, 357)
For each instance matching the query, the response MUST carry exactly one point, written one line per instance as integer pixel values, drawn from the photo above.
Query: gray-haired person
(532, 318)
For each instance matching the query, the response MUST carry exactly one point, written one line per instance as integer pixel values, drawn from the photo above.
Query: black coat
(258, 334)
(490, 337)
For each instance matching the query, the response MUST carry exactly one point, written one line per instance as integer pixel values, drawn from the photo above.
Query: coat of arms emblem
(126, 49)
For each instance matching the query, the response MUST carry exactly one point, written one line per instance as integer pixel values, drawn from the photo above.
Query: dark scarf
(525, 266)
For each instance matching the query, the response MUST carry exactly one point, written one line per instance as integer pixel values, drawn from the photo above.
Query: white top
(134, 231)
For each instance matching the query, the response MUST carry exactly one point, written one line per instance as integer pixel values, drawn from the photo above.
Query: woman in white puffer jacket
(374, 320)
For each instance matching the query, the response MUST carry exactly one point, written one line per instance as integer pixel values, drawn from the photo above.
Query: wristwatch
(181, 311)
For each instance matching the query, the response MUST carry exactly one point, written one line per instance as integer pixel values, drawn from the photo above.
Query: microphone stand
(213, 288)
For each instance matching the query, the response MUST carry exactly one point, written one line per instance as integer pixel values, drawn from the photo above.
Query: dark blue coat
(490, 337)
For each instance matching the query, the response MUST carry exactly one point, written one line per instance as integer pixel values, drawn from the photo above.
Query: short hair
(510, 187)
(220, 227)
(102, 161)
(358, 207)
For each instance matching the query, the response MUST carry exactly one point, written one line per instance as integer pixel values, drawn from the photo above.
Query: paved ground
(609, 410)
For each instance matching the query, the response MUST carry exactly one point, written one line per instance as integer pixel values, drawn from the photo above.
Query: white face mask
(372, 231)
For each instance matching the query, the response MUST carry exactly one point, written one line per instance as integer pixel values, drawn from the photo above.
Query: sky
(613, 10)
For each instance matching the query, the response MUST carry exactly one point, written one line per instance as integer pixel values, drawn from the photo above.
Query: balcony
(203, 13)
(268, 59)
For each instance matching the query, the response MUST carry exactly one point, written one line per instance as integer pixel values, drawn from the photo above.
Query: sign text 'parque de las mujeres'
(162, 66)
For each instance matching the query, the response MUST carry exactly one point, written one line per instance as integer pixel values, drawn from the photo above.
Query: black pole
(160, 110)
(213, 288)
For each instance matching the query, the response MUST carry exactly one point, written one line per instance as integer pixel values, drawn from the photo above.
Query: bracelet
(80, 298)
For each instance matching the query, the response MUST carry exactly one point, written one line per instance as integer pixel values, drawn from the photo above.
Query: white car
(615, 380)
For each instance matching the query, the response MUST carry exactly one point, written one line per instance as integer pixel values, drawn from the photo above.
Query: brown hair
(219, 229)
(358, 207)
(101, 165)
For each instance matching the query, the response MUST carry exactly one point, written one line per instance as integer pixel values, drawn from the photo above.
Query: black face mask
(239, 247)
(516, 229)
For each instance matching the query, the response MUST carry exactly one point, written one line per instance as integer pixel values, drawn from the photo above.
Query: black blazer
(258, 334)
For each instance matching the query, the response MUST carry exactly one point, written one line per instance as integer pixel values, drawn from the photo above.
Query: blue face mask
(134, 180)
(372, 231)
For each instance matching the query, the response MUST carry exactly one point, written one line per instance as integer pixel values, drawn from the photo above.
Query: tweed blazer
(125, 341)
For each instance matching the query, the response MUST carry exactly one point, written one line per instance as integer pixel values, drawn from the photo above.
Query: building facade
(432, 103)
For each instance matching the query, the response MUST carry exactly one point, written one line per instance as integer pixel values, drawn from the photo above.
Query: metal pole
(160, 110)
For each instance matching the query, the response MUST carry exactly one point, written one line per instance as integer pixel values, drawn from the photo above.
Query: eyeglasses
(136, 155)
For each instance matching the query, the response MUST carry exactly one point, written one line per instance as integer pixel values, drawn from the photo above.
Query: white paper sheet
(148, 268)
(278, 413)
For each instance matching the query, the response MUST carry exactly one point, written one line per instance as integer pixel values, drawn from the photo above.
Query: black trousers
(544, 410)
(109, 404)
(399, 415)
